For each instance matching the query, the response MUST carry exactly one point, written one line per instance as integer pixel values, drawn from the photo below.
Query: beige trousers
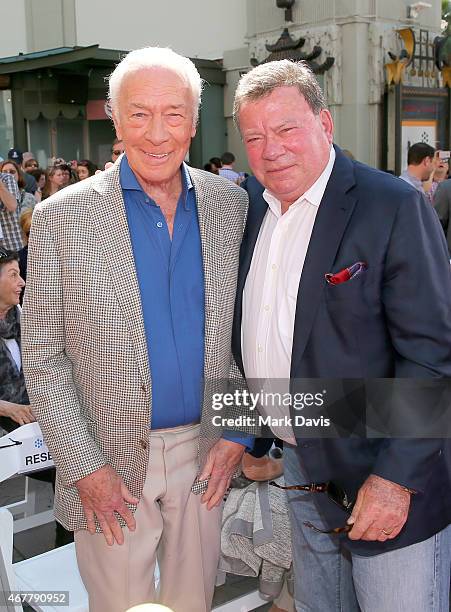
(171, 526)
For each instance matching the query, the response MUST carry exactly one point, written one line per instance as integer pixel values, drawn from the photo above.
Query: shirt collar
(413, 180)
(129, 182)
(313, 195)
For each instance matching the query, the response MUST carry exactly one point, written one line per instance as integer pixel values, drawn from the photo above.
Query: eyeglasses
(334, 492)
(3, 254)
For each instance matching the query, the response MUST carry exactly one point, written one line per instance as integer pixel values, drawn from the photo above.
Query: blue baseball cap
(15, 155)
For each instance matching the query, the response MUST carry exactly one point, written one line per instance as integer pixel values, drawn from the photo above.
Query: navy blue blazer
(392, 321)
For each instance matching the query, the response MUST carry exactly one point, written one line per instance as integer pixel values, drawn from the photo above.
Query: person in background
(30, 164)
(26, 156)
(442, 205)
(85, 169)
(210, 168)
(41, 177)
(26, 200)
(15, 409)
(16, 156)
(438, 175)
(117, 148)
(226, 170)
(216, 164)
(10, 233)
(58, 178)
(420, 165)
(70, 175)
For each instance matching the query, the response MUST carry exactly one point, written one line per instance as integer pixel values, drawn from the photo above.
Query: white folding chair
(23, 451)
(55, 571)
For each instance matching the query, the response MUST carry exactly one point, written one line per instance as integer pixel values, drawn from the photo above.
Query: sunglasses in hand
(334, 492)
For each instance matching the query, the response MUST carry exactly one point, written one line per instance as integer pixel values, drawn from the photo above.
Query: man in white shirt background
(421, 162)
(226, 170)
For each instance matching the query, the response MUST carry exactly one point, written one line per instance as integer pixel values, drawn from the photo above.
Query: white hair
(156, 57)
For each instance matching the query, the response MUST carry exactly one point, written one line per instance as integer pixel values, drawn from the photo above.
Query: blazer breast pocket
(349, 290)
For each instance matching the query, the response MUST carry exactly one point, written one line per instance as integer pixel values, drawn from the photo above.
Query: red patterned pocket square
(346, 274)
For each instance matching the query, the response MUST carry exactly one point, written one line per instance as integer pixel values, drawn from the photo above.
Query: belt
(174, 429)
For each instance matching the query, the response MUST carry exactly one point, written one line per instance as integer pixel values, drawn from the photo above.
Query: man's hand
(103, 493)
(223, 459)
(380, 511)
(20, 413)
(107, 165)
(7, 198)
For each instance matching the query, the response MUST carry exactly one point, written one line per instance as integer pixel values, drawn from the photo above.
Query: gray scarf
(12, 382)
(10, 325)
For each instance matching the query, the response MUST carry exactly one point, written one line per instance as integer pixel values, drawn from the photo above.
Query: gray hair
(156, 57)
(264, 79)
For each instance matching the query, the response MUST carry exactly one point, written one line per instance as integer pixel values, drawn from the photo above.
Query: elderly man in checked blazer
(129, 307)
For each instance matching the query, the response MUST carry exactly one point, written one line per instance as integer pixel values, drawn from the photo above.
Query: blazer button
(143, 388)
(143, 444)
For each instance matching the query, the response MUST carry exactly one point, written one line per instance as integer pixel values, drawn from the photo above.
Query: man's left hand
(223, 459)
(380, 511)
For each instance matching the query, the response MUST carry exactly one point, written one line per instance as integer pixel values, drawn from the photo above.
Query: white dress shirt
(271, 291)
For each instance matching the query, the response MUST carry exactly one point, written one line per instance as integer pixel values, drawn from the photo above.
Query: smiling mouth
(156, 155)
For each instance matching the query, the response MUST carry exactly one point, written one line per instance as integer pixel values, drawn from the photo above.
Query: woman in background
(57, 179)
(27, 200)
(439, 175)
(15, 406)
(41, 177)
(85, 169)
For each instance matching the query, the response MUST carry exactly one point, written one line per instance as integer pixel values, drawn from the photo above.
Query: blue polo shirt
(171, 282)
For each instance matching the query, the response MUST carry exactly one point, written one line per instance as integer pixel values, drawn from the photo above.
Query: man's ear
(327, 123)
(117, 125)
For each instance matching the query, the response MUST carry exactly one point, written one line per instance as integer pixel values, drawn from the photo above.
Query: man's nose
(156, 131)
(273, 148)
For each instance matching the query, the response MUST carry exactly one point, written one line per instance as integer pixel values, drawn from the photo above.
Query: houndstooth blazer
(83, 340)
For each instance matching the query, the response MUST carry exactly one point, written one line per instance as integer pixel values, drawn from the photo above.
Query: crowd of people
(28, 184)
(155, 280)
(223, 166)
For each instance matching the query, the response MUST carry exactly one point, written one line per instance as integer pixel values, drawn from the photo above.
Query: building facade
(51, 48)
(365, 40)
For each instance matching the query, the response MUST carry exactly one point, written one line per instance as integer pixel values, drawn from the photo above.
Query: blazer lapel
(109, 218)
(331, 221)
(211, 233)
(256, 214)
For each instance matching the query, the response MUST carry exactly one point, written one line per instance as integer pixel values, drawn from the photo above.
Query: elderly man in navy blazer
(344, 275)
